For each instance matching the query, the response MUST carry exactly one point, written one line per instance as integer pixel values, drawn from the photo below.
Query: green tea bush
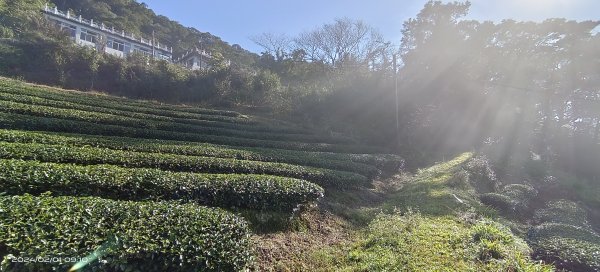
(225, 190)
(179, 163)
(513, 199)
(29, 122)
(564, 237)
(18, 87)
(123, 120)
(522, 193)
(193, 149)
(127, 236)
(549, 230)
(563, 212)
(499, 201)
(135, 113)
(568, 247)
(481, 175)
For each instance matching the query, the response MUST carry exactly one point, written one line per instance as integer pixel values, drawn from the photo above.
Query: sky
(235, 21)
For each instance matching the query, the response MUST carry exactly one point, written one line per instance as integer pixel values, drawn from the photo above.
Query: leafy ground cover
(127, 188)
(145, 169)
(179, 163)
(139, 236)
(563, 236)
(259, 192)
(430, 221)
(338, 162)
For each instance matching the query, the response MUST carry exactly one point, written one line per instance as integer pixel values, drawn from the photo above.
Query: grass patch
(434, 191)
(414, 242)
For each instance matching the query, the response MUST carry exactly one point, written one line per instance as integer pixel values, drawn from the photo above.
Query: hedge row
(183, 148)
(134, 236)
(33, 100)
(28, 122)
(110, 119)
(14, 86)
(568, 247)
(179, 163)
(562, 212)
(512, 199)
(259, 192)
(564, 237)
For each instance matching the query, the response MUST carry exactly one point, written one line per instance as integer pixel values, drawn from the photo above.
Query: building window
(116, 45)
(89, 36)
(70, 29)
(142, 50)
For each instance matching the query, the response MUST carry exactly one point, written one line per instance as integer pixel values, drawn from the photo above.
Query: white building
(97, 35)
(195, 59)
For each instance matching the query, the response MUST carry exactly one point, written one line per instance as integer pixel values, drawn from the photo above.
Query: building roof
(193, 52)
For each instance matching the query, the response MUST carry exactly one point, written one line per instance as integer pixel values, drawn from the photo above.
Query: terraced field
(117, 184)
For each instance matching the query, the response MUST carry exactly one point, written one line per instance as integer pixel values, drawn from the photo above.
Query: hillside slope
(108, 183)
(107, 162)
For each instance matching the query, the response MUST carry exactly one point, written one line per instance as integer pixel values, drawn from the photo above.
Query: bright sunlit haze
(332, 135)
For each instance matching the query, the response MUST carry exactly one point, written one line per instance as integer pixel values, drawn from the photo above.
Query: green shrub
(549, 230)
(107, 181)
(135, 113)
(513, 199)
(568, 247)
(195, 149)
(500, 202)
(481, 175)
(28, 122)
(569, 254)
(521, 193)
(136, 236)
(123, 120)
(18, 87)
(563, 212)
(179, 163)
(564, 237)
(460, 180)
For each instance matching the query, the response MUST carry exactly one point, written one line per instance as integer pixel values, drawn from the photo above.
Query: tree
(19, 17)
(344, 42)
(277, 45)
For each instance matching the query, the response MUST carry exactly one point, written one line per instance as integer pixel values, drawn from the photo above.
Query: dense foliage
(513, 199)
(35, 109)
(340, 162)
(146, 236)
(259, 192)
(91, 155)
(258, 182)
(28, 122)
(564, 237)
(167, 155)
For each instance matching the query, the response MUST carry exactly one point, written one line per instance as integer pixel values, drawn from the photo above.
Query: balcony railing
(201, 52)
